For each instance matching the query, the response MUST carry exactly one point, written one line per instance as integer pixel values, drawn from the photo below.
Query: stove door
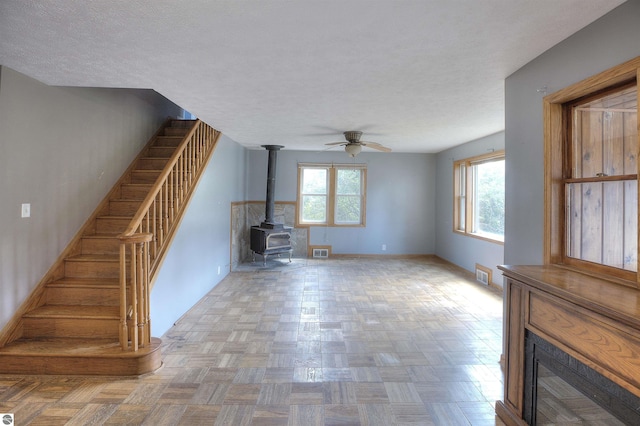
(278, 240)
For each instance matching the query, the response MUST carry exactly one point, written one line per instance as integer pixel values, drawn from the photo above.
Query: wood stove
(270, 237)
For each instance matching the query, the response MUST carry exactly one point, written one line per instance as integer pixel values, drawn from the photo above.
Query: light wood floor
(316, 342)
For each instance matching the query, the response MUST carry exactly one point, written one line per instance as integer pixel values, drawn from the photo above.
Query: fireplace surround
(587, 329)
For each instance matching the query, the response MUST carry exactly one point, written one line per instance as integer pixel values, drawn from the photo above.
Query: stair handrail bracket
(146, 238)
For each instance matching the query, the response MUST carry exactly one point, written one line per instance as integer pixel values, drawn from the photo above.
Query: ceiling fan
(354, 145)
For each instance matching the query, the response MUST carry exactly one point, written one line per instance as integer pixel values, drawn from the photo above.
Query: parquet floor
(317, 342)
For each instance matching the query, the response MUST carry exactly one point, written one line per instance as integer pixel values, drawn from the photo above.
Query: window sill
(330, 225)
(480, 237)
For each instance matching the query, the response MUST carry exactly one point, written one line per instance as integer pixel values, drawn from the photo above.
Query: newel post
(138, 269)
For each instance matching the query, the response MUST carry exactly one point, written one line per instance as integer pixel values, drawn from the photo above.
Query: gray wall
(199, 256)
(611, 40)
(400, 194)
(462, 250)
(61, 150)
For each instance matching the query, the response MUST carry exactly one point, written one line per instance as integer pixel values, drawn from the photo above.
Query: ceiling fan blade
(336, 143)
(377, 146)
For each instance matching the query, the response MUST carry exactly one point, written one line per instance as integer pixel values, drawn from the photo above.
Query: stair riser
(188, 124)
(100, 246)
(91, 269)
(124, 207)
(83, 296)
(134, 192)
(144, 176)
(152, 163)
(161, 151)
(175, 131)
(128, 364)
(70, 327)
(168, 141)
(111, 225)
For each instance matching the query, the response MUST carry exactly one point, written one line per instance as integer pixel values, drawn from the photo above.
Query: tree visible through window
(489, 197)
(479, 194)
(348, 196)
(331, 195)
(315, 189)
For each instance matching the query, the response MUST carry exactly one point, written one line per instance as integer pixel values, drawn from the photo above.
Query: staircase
(85, 316)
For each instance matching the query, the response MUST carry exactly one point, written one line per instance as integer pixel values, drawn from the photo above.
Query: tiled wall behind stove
(246, 215)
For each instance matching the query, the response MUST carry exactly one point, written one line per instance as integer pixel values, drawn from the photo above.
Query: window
(479, 196)
(331, 194)
(591, 175)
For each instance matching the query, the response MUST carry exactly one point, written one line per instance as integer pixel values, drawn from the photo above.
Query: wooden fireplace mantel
(594, 320)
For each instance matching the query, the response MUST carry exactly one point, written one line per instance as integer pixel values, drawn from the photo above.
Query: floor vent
(483, 274)
(320, 253)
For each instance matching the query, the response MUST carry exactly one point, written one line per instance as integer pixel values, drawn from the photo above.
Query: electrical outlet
(219, 269)
(384, 247)
(26, 210)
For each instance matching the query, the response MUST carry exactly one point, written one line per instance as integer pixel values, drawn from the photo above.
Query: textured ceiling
(417, 76)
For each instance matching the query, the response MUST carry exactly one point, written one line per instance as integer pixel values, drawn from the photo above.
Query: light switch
(26, 210)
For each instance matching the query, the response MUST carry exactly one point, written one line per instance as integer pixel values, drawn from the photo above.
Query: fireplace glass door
(559, 403)
(560, 390)
(278, 240)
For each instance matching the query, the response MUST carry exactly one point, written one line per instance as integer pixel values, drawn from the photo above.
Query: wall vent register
(319, 253)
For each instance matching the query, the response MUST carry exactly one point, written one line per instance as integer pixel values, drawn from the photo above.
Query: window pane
(348, 182)
(347, 209)
(348, 200)
(461, 216)
(602, 220)
(340, 189)
(314, 181)
(489, 198)
(314, 208)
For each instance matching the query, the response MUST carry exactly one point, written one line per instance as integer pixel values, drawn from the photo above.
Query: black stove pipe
(271, 186)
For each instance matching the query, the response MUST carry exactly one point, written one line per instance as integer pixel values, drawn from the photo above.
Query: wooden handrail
(149, 199)
(147, 236)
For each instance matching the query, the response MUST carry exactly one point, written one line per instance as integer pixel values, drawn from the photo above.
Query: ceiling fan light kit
(353, 149)
(353, 146)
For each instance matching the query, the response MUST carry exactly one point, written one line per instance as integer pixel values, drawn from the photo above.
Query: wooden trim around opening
(555, 144)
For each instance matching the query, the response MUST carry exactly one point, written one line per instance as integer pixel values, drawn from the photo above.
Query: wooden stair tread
(103, 235)
(78, 356)
(73, 347)
(85, 282)
(138, 185)
(94, 258)
(75, 311)
(128, 199)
